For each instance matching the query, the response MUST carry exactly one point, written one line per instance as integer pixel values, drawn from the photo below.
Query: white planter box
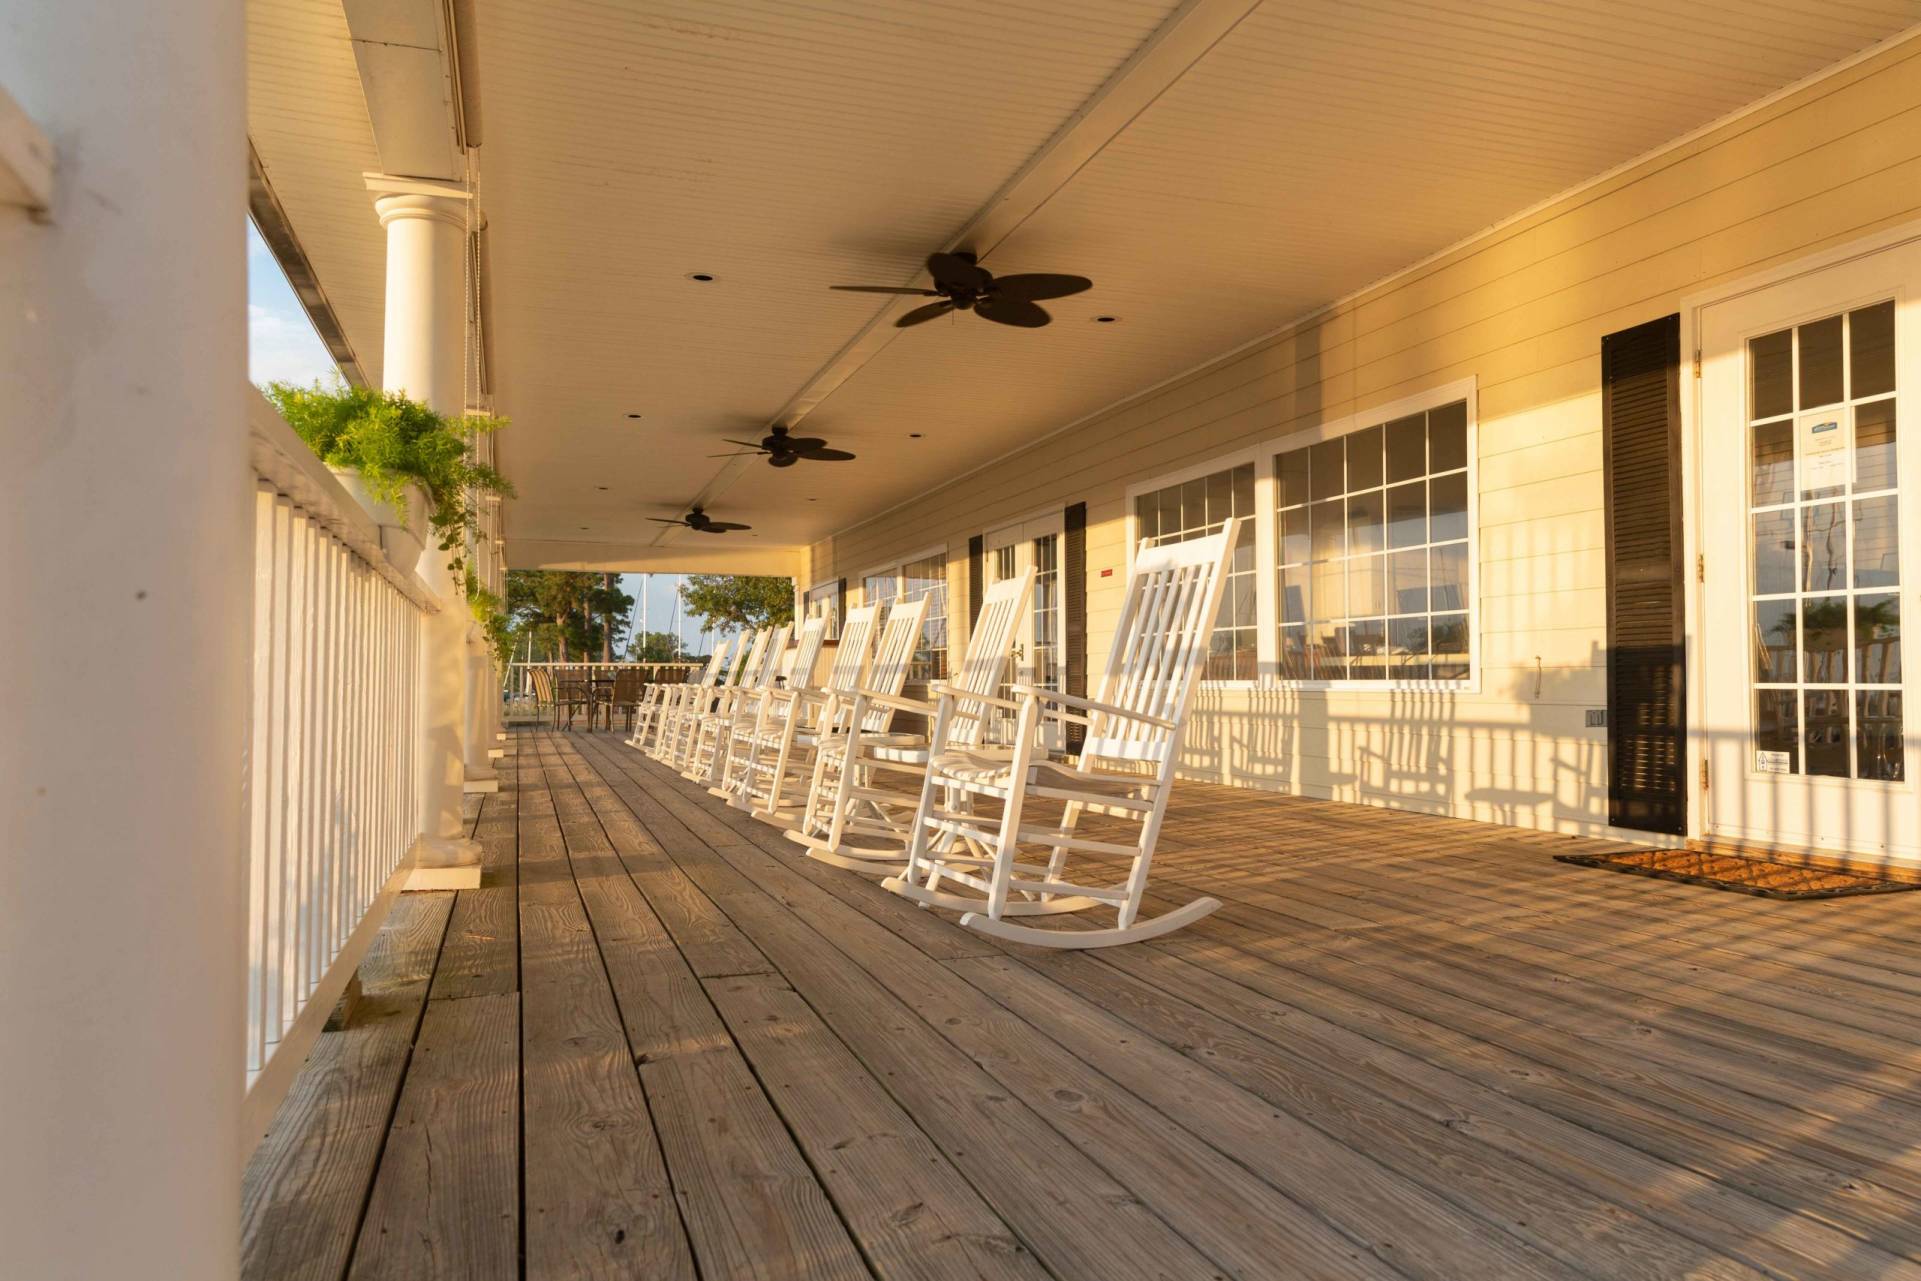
(402, 534)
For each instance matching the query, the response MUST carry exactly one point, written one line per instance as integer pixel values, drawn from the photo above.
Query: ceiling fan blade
(920, 315)
(827, 456)
(1032, 286)
(662, 520)
(721, 527)
(885, 289)
(1013, 311)
(800, 444)
(746, 444)
(956, 272)
(740, 453)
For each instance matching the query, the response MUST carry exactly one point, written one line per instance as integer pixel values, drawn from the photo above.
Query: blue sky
(282, 346)
(281, 342)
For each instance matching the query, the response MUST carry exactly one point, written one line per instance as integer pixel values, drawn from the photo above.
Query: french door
(1034, 544)
(1811, 539)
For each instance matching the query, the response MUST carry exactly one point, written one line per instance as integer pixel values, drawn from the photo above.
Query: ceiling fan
(962, 284)
(700, 522)
(783, 450)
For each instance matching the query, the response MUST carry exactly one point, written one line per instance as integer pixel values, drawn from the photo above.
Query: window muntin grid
(1195, 509)
(1373, 553)
(1825, 574)
(823, 601)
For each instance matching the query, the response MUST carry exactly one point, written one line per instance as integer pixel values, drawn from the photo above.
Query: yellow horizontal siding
(1523, 311)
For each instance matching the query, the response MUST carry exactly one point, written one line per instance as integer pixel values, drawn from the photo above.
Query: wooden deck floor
(657, 1044)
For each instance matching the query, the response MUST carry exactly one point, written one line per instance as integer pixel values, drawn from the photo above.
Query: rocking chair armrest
(899, 702)
(1089, 705)
(942, 689)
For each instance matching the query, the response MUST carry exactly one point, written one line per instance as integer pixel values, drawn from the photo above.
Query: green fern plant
(391, 440)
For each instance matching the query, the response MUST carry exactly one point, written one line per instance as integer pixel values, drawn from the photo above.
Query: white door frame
(1693, 415)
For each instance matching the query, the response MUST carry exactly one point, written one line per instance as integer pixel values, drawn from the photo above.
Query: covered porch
(655, 1042)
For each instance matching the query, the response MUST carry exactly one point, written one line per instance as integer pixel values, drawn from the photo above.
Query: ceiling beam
(409, 74)
(1180, 42)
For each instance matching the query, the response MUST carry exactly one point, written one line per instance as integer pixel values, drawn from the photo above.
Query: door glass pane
(1826, 738)
(1772, 362)
(1328, 523)
(1366, 588)
(1293, 595)
(1327, 474)
(1367, 649)
(1447, 507)
(1364, 523)
(1775, 640)
(1448, 566)
(1820, 362)
(1294, 536)
(1773, 462)
(1294, 664)
(1826, 565)
(1871, 350)
(1824, 640)
(1407, 582)
(1407, 515)
(1447, 639)
(1364, 459)
(1877, 640)
(1407, 448)
(1407, 648)
(1878, 739)
(1874, 446)
(1447, 437)
(1292, 468)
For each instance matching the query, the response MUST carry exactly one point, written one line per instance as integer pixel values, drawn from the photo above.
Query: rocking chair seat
(992, 766)
(836, 743)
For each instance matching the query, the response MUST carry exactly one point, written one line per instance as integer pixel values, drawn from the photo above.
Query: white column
(126, 567)
(425, 357)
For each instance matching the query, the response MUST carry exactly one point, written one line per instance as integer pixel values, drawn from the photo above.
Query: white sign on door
(1824, 450)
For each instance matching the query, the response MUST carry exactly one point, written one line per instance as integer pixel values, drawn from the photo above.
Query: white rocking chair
(848, 800)
(1125, 771)
(648, 716)
(773, 757)
(676, 741)
(767, 707)
(707, 737)
(672, 698)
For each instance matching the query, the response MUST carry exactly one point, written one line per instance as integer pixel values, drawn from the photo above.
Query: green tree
(565, 615)
(655, 647)
(724, 602)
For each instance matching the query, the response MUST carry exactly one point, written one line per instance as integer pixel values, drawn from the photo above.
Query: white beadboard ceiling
(1301, 151)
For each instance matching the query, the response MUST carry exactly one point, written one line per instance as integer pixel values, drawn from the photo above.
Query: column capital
(396, 197)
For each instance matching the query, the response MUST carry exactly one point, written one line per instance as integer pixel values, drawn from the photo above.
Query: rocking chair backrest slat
(715, 662)
(1160, 646)
(746, 658)
(988, 647)
(763, 675)
(895, 654)
(855, 648)
(807, 645)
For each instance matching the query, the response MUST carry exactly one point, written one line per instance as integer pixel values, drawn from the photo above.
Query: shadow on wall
(1434, 751)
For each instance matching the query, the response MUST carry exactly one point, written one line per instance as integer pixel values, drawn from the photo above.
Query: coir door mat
(1742, 875)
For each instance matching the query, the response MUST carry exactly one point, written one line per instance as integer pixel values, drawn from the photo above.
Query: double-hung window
(1371, 531)
(1354, 563)
(1195, 509)
(823, 601)
(925, 576)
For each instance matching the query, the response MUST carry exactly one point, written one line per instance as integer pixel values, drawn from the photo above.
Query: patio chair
(673, 752)
(767, 706)
(712, 731)
(850, 797)
(773, 753)
(545, 703)
(1125, 771)
(663, 696)
(626, 696)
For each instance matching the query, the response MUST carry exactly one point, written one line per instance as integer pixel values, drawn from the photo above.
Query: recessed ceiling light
(914, 435)
(633, 415)
(703, 277)
(1105, 320)
(601, 488)
(583, 529)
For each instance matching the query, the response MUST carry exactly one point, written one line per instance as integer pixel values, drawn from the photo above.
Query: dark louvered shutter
(976, 578)
(1641, 447)
(1074, 611)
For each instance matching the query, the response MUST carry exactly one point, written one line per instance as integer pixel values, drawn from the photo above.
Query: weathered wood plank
(751, 1205)
(446, 1202)
(301, 1198)
(481, 954)
(598, 1199)
(912, 1212)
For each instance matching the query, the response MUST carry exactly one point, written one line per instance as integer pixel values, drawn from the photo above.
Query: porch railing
(333, 774)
